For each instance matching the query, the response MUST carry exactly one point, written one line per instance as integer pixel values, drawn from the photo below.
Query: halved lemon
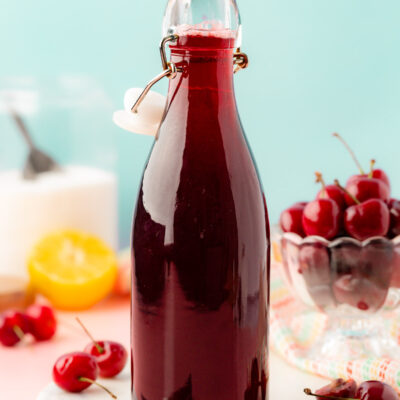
(72, 269)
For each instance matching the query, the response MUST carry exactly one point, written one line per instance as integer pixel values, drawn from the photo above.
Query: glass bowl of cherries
(341, 256)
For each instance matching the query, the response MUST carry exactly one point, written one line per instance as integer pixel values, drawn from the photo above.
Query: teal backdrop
(316, 67)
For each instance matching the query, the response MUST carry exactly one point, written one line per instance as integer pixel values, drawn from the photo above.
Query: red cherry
(379, 189)
(13, 326)
(354, 178)
(335, 194)
(110, 356)
(374, 173)
(394, 207)
(369, 390)
(382, 176)
(364, 188)
(42, 320)
(291, 219)
(339, 388)
(321, 217)
(331, 192)
(367, 219)
(375, 390)
(74, 372)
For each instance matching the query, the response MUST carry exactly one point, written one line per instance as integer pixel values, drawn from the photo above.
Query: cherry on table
(110, 356)
(75, 372)
(339, 388)
(376, 390)
(42, 320)
(369, 390)
(13, 326)
(291, 219)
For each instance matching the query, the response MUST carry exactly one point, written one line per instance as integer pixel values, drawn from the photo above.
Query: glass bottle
(200, 282)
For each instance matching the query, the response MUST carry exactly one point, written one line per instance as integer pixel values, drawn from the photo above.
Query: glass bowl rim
(314, 239)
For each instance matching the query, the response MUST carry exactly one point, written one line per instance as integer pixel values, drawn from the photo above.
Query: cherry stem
(347, 192)
(371, 169)
(19, 332)
(83, 379)
(309, 392)
(350, 151)
(98, 347)
(320, 179)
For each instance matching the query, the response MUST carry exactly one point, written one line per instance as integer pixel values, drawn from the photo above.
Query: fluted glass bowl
(356, 284)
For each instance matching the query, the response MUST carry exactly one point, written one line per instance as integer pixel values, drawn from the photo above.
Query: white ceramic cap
(148, 117)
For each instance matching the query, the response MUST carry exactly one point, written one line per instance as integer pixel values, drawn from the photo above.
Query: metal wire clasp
(169, 70)
(240, 61)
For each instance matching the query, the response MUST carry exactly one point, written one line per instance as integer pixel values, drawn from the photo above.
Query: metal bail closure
(240, 61)
(169, 70)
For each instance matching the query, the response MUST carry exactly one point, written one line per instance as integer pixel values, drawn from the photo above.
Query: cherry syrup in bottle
(200, 283)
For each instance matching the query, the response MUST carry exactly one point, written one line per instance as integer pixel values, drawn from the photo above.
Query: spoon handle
(22, 128)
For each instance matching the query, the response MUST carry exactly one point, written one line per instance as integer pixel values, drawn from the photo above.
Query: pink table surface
(26, 369)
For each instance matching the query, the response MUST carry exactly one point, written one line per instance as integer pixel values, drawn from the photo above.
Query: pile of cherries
(75, 372)
(362, 209)
(38, 321)
(368, 390)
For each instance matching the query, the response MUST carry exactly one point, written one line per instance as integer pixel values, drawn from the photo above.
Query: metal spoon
(37, 161)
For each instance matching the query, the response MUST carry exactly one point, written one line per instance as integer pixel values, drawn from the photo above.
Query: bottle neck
(206, 63)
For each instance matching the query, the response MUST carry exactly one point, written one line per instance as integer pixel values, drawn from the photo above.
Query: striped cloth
(306, 326)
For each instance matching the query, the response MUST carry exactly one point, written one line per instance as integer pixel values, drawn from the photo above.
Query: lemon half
(72, 269)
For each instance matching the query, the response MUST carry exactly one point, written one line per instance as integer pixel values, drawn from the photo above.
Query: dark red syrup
(200, 243)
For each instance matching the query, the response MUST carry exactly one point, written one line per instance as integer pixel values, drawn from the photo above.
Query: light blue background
(317, 66)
